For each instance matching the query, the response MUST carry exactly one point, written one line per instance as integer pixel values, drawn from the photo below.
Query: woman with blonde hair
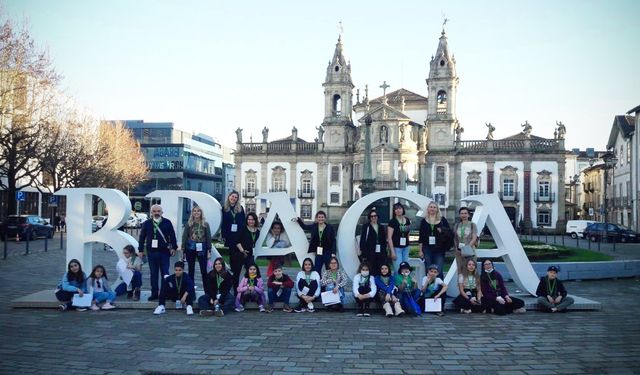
(196, 243)
(435, 238)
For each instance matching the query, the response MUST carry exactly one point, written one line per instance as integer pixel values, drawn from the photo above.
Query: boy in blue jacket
(177, 287)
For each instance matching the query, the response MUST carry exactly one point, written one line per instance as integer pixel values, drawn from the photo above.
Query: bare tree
(27, 82)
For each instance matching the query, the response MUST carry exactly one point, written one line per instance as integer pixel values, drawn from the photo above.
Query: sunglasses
(373, 215)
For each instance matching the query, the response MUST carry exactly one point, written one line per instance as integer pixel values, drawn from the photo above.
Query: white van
(576, 227)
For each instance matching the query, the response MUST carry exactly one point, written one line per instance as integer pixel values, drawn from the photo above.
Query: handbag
(467, 251)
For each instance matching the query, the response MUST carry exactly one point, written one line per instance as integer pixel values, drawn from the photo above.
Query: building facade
(620, 194)
(177, 160)
(416, 145)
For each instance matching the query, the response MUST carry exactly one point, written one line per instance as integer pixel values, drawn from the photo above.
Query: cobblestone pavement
(135, 341)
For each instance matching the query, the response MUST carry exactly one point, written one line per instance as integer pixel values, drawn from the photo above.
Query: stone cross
(384, 88)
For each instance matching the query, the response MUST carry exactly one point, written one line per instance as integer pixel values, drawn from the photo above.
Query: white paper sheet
(330, 298)
(432, 306)
(124, 272)
(84, 301)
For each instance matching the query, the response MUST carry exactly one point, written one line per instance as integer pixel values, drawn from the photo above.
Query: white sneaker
(159, 310)
(94, 307)
(521, 310)
(261, 308)
(189, 310)
(107, 306)
(239, 309)
(310, 306)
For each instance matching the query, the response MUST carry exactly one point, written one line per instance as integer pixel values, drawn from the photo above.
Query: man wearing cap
(551, 292)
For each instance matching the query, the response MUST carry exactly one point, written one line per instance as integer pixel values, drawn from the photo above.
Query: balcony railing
(473, 192)
(386, 185)
(250, 193)
(544, 198)
(277, 190)
(509, 197)
(308, 194)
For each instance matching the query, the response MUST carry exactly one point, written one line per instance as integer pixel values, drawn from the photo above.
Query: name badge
(154, 244)
(198, 246)
(234, 227)
(218, 296)
(403, 241)
(319, 250)
(432, 240)
(377, 248)
(279, 293)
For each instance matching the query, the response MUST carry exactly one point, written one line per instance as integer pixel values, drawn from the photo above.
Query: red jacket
(286, 282)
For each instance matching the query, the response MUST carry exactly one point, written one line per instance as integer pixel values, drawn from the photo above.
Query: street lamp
(610, 161)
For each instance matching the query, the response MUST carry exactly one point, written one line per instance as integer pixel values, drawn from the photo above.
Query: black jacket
(444, 237)
(212, 289)
(369, 240)
(328, 242)
(543, 289)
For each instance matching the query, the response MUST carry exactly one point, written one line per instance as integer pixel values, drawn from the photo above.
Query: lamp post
(610, 161)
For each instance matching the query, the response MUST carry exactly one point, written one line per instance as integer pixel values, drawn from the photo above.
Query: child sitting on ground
(251, 288)
(551, 292)
(177, 287)
(279, 289)
(98, 285)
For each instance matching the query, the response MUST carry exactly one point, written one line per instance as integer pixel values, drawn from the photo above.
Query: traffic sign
(20, 196)
(53, 201)
(591, 213)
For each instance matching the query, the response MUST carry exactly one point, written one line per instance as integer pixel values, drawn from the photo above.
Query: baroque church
(415, 144)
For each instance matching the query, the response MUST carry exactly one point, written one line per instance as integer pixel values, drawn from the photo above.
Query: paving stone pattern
(44, 341)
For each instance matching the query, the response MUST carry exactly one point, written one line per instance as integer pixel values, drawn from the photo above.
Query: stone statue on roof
(561, 130)
(239, 135)
(526, 129)
(459, 131)
(265, 134)
(320, 130)
(491, 130)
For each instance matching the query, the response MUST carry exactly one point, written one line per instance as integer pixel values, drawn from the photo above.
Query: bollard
(61, 240)
(614, 245)
(5, 247)
(27, 241)
(46, 243)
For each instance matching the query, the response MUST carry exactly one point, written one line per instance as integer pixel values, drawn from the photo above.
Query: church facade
(416, 144)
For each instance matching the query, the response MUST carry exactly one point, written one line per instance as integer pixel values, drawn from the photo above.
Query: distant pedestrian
(98, 285)
(551, 292)
(63, 223)
(158, 237)
(56, 221)
(73, 282)
(495, 296)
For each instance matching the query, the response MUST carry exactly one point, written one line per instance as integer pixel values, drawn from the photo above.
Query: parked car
(97, 221)
(27, 226)
(132, 222)
(141, 217)
(615, 232)
(575, 228)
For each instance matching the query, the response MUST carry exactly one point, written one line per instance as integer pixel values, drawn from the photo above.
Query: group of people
(396, 290)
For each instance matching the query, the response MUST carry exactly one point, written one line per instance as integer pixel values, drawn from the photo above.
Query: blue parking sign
(53, 199)
(20, 196)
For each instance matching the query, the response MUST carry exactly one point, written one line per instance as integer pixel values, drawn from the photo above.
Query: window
(356, 171)
(335, 174)
(508, 188)
(544, 187)
(441, 102)
(440, 199)
(305, 211)
(337, 105)
(251, 185)
(621, 156)
(544, 218)
(278, 177)
(335, 198)
(440, 175)
(384, 134)
(474, 188)
(306, 185)
(384, 168)
(251, 207)
(629, 152)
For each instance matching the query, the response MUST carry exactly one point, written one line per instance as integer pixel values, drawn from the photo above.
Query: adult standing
(465, 239)
(323, 240)
(196, 244)
(242, 254)
(158, 237)
(398, 236)
(435, 238)
(373, 244)
(233, 219)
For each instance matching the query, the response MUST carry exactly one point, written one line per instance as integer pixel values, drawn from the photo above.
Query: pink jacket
(244, 285)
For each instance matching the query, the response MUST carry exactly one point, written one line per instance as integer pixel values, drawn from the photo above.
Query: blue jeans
(402, 255)
(204, 302)
(340, 291)
(433, 256)
(109, 296)
(285, 296)
(136, 282)
(158, 264)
